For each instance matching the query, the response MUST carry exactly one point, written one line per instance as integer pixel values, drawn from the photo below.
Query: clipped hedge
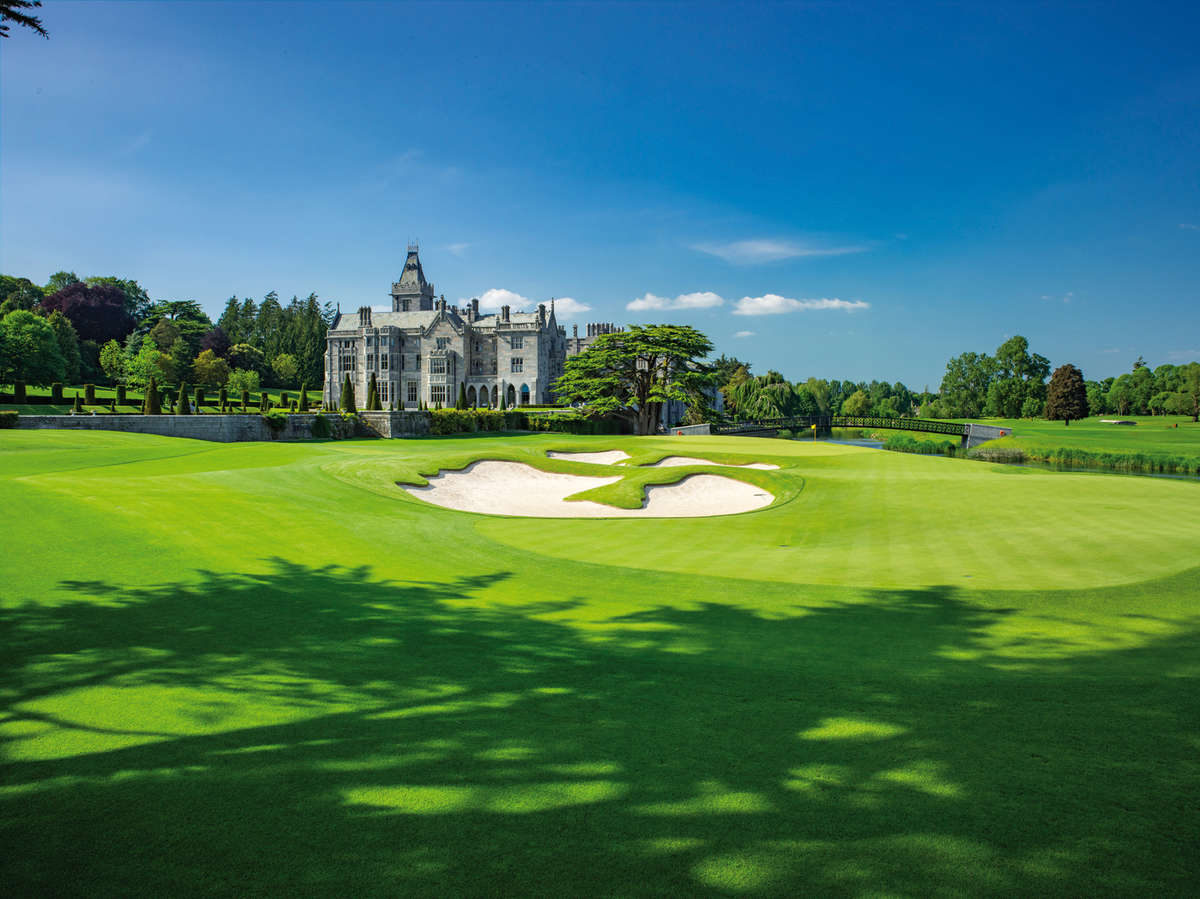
(8, 419)
(574, 423)
(469, 421)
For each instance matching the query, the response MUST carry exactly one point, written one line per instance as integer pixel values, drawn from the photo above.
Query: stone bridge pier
(977, 434)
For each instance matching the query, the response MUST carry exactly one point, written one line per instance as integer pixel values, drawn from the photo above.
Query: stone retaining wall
(221, 428)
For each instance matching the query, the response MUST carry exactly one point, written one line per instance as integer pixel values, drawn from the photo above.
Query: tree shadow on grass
(315, 730)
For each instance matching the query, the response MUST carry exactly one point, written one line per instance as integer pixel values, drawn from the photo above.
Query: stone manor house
(423, 349)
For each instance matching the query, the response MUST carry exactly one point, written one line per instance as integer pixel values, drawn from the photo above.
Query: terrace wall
(220, 428)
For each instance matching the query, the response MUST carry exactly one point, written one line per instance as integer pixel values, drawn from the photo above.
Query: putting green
(264, 668)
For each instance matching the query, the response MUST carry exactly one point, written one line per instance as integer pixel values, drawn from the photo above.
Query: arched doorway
(471, 396)
(524, 394)
(495, 396)
(512, 395)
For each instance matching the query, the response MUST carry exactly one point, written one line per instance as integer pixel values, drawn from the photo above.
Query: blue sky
(839, 190)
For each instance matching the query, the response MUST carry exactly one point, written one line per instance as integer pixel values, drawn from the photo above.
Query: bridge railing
(924, 425)
(825, 422)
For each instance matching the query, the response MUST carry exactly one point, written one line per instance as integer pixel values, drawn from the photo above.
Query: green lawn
(264, 669)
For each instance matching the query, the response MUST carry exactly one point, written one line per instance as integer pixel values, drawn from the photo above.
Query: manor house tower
(423, 349)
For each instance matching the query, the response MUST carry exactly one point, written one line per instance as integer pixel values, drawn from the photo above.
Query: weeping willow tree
(769, 396)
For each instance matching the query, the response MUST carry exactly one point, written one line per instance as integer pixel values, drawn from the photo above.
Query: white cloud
(1066, 297)
(773, 304)
(702, 300)
(498, 296)
(744, 334)
(1182, 355)
(567, 308)
(457, 248)
(1188, 226)
(747, 252)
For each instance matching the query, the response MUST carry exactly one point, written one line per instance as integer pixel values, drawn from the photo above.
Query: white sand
(675, 461)
(608, 457)
(513, 488)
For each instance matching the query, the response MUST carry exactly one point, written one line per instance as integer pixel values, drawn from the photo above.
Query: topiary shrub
(264, 403)
(199, 399)
(348, 395)
(245, 399)
(19, 391)
(373, 395)
(77, 409)
(56, 394)
(152, 405)
(304, 397)
(112, 407)
(89, 394)
(181, 405)
(283, 400)
(120, 394)
(223, 399)
(8, 419)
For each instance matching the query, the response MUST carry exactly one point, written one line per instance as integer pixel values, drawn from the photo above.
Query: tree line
(1011, 383)
(109, 330)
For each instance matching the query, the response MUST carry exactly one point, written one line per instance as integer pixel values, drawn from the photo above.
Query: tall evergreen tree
(462, 396)
(348, 395)
(304, 397)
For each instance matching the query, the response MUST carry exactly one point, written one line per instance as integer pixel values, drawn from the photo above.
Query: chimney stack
(504, 313)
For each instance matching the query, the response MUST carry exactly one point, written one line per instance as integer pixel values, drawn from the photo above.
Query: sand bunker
(674, 461)
(608, 457)
(512, 488)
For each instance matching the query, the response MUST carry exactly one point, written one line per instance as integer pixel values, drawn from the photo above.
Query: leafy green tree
(1097, 403)
(629, 373)
(243, 380)
(186, 317)
(245, 356)
(29, 350)
(210, 369)
(1190, 382)
(60, 281)
(164, 334)
(965, 385)
(113, 361)
(68, 345)
(1120, 395)
(149, 363)
(857, 405)
(286, 368)
(18, 293)
(348, 395)
(181, 359)
(1018, 375)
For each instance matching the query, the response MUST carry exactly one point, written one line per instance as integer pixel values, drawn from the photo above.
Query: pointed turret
(412, 292)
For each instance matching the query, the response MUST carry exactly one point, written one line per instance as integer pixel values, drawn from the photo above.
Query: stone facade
(423, 349)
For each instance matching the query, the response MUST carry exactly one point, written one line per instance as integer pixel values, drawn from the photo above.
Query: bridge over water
(969, 433)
